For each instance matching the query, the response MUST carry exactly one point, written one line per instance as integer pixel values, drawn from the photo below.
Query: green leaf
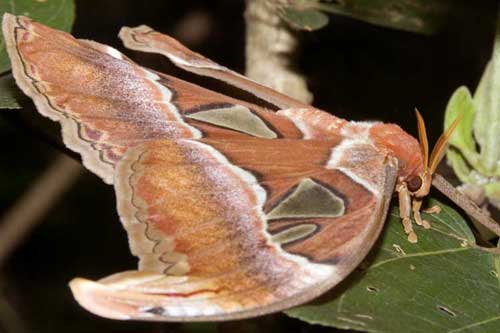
(459, 165)
(9, 93)
(479, 168)
(461, 103)
(492, 191)
(443, 283)
(487, 101)
(423, 16)
(306, 19)
(58, 14)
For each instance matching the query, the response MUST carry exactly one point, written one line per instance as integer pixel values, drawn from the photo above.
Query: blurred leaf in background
(422, 16)
(475, 153)
(9, 93)
(58, 14)
(445, 282)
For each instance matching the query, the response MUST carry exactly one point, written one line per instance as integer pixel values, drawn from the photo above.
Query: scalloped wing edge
(69, 126)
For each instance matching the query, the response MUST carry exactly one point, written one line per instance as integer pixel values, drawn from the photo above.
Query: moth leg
(432, 210)
(405, 211)
(416, 206)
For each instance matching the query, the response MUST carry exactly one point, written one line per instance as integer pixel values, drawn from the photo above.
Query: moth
(233, 209)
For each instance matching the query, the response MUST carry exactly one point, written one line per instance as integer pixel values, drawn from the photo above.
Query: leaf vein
(423, 254)
(479, 323)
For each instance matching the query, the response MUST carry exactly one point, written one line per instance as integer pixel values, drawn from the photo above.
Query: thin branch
(28, 210)
(10, 322)
(464, 202)
(270, 48)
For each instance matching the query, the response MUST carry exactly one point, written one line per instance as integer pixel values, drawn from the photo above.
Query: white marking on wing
(114, 52)
(357, 130)
(366, 184)
(344, 158)
(297, 117)
(167, 99)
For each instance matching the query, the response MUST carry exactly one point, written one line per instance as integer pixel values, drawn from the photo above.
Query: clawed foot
(433, 210)
(408, 227)
(407, 206)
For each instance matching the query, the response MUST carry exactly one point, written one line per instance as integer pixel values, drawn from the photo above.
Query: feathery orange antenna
(422, 138)
(439, 148)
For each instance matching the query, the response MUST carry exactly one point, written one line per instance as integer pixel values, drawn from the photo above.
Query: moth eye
(415, 184)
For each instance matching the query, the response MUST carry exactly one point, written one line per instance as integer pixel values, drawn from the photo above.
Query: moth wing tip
(94, 297)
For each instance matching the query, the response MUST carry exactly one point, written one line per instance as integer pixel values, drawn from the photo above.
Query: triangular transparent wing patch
(308, 200)
(295, 233)
(238, 118)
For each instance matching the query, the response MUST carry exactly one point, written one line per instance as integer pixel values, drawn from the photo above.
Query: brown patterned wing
(143, 38)
(106, 103)
(239, 228)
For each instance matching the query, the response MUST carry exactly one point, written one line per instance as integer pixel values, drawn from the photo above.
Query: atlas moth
(235, 210)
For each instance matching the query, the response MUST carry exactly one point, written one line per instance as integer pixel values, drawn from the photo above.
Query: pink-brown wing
(145, 39)
(239, 228)
(106, 103)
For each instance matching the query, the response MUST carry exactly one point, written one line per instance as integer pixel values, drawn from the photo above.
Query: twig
(270, 46)
(465, 203)
(28, 210)
(10, 322)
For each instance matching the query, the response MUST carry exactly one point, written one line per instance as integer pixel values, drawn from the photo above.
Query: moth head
(420, 184)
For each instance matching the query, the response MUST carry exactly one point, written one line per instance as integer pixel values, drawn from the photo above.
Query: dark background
(355, 70)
